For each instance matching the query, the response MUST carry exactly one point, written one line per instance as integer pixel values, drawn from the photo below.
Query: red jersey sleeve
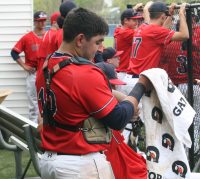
(20, 45)
(97, 98)
(162, 35)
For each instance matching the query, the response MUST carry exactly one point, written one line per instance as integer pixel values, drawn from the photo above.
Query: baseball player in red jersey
(46, 47)
(75, 90)
(123, 36)
(29, 44)
(65, 7)
(174, 61)
(174, 57)
(150, 39)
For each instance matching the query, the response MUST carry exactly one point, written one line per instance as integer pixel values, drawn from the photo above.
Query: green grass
(108, 42)
(7, 165)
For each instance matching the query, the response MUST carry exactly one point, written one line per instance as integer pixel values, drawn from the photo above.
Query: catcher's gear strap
(47, 113)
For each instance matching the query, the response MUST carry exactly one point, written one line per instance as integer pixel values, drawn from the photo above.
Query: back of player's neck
(155, 22)
(66, 48)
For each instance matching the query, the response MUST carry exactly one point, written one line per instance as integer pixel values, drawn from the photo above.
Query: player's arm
(119, 95)
(127, 108)
(146, 12)
(183, 33)
(16, 57)
(168, 21)
(138, 6)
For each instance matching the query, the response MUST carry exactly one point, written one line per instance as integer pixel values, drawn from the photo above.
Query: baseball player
(71, 91)
(111, 56)
(65, 7)
(29, 44)
(148, 43)
(174, 61)
(46, 47)
(150, 39)
(119, 151)
(123, 36)
(109, 70)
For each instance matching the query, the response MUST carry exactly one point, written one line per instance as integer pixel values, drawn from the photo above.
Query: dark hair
(155, 15)
(83, 21)
(129, 6)
(66, 7)
(60, 21)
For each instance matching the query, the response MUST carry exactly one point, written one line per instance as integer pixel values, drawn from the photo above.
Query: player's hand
(146, 82)
(138, 6)
(29, 69)
(182, 9)
(197, 81)
(147, 5)
(136, 114)
(172, 8)
(39, 127)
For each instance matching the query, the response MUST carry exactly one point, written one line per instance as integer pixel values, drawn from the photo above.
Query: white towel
(167, 117)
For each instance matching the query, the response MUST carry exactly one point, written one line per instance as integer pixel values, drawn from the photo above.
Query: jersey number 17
(135, 46)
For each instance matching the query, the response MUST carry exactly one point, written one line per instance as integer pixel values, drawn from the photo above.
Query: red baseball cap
(130, 14)
(110, 72)
(54, 17)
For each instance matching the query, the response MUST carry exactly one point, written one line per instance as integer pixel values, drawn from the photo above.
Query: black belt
(135, 76)
(68, 154)
(101, 152)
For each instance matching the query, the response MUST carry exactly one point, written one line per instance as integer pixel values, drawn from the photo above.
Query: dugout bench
(23, 136)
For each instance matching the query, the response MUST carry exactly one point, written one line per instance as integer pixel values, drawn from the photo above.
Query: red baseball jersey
(77, 91)
(58, 38)
(29, 44)
(196, 50)
(47, 46)
(148, 43)
(123, 41)
(174, 59)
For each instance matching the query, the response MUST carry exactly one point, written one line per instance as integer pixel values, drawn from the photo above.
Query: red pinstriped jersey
(29, 44)
(148, 44)
(174, 59)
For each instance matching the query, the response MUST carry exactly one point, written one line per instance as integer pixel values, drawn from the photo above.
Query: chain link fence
(181, 60)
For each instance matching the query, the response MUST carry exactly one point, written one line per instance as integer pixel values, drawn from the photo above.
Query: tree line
(98, 6)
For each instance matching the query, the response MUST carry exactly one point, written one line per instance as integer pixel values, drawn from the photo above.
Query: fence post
(190, 82)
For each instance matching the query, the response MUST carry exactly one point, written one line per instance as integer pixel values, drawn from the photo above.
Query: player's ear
(79, 39)
(163, 16)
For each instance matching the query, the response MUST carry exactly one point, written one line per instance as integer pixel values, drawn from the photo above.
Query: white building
(16, 19)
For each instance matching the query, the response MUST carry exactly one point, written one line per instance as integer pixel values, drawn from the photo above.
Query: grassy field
(108, 42)
(7, 165)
